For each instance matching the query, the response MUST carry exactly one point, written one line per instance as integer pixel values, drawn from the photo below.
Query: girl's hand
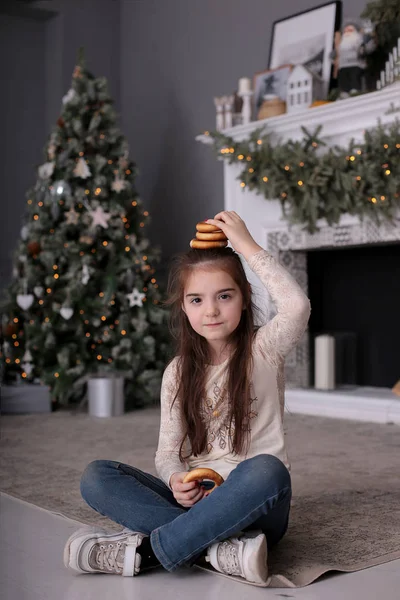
(236, 231)
(187, 494)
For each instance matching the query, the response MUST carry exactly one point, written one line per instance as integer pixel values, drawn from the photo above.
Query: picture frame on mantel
(308, 38)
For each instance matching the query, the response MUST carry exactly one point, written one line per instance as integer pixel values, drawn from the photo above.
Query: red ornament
(10, 329)
(60, 122)
(33, 248)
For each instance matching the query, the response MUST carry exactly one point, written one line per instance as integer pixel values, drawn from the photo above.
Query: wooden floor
(31, 568)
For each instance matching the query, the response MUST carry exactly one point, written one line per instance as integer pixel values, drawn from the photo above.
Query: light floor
(31, 568)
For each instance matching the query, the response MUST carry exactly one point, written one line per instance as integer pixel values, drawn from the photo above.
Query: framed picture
(307, 38)
(271, 81)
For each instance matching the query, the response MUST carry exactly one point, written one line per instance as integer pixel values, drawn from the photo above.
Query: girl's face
(213, 304)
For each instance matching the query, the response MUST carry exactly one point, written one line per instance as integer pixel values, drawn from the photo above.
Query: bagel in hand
(200, 474)
(204, 227)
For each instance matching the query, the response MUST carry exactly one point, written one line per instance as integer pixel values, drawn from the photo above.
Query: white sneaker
(243, 556)
(91, 550)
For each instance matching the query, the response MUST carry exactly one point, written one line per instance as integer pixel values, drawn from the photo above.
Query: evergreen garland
(362, 180)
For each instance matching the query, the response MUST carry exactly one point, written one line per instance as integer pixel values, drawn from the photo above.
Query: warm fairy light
(14, 336)
(287, 168)
(265, 179)
(105, 243)
(145, 289)
(23, 374)
(16, 320)
(387, 172)
(397, 146)
(17, 361)
(111, 326)
(144, 299)
(80, 153)
(383, 198)
(284, 194)
(127, 248)
(153, 280)
(358, 152)
(29, 201)
(87, 192)
(87, 334)
(300, 183)
(51, 230)
(240, 157)
(242, 184)
(358, 178)
(56, 374)
(251, 170)
(56, 276)
(112, 302)
(81, 312)
(8, 360)
(373, 200)
(385, 146)
(86, 321)
(144, 257)
(314, 144)
(110, 162)
(36, 217)
(128, 171)
(81, 253)
(124, 219)
(352, 158)
(99, 357)
(301, 164)
(146, 213)
(48, 291)
(134, 203)
(16, 344)
(46, 320)
(141, 225)
(66, 245)
(40, 203)
(248, 158)
(97, 191)
(102, 136)
(101, 294)
(110, 360)
(103, 318)
(55, 267)
(123, 332)
(259, 142)
(93, 251)
(93, 346)
(41, 302)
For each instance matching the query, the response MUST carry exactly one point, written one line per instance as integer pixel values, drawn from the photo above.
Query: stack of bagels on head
(208, 236)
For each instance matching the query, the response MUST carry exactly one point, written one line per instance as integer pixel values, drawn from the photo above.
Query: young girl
(222, 403)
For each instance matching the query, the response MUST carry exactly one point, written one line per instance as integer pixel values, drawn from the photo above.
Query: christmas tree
(84, 298)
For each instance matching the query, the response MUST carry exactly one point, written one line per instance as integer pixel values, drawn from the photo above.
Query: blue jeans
(255, 495)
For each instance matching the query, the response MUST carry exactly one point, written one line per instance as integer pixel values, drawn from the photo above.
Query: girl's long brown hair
(194, 355)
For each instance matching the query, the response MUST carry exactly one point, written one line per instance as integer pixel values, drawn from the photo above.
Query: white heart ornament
(38, 291)
(66, 312)
(25, 300)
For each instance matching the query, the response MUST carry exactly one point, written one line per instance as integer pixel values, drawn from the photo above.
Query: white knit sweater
(271, 344)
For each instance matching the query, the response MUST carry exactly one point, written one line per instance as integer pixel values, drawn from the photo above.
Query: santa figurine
(352, 46)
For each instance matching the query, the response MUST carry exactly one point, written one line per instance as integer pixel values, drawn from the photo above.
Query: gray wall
(165, 60)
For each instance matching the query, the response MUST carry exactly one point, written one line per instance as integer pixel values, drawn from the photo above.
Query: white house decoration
(303, 87)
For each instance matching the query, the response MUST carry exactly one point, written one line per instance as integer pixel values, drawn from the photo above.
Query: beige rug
(346, 482)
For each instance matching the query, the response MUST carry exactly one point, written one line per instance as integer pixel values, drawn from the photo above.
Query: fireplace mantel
(341, 122)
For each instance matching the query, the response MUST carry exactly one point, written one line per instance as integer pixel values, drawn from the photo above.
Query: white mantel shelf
(350, 117)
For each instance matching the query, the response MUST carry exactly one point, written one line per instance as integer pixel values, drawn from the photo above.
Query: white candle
(324, 362)
(244, 85)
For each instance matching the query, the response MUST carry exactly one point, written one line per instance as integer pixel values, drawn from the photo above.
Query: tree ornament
(46, 170)
(51, 150)
(69, 96)
(85, 274)
(60, 188)
(27, 367)
(86, 239)
(135, 298)
(61, 122)
(118, 184)
(24, 232)
(72, 216)
(27, 356)
(33, 248)
(81, 169)
(100, 217)
(66, 312)
(38, 291)
(24, 301)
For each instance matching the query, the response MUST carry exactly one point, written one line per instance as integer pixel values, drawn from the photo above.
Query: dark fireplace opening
(355, 296)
